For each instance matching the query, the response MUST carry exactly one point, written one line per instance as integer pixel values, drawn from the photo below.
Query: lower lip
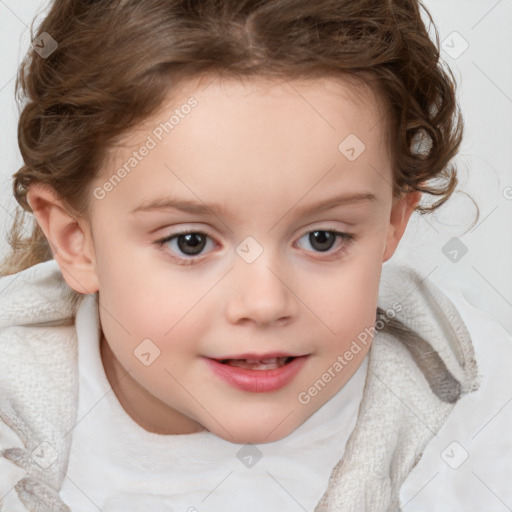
(257, 381)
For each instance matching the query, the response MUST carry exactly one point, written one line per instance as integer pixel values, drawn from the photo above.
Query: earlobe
(401, 212)
(69, 238)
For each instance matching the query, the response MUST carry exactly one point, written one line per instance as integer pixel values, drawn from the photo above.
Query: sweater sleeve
(23, 486)
(38, 387)
(10, 473)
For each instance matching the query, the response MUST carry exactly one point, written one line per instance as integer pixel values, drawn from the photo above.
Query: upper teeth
(270, 363)
(265, 361)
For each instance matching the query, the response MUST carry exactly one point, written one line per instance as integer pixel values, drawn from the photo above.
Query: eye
(189, 243)
(322, 240)
(185, 245)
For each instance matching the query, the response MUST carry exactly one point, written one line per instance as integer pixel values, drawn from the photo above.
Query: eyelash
(347, 238)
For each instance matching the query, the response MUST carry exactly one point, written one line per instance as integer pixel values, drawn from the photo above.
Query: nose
(260, 293)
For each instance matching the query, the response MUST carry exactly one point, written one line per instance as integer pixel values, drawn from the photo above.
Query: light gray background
(484, 72)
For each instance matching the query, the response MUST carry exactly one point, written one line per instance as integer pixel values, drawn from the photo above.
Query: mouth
(257, 374)
(270, 363)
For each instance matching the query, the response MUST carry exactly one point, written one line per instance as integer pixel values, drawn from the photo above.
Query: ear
(69, 238)
(401, 212)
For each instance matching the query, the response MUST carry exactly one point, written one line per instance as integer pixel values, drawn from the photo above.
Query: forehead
(255, 134)
(336, 102)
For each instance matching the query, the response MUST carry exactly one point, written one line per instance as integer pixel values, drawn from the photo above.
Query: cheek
(346, 299)
(151, 306)
(142, 297)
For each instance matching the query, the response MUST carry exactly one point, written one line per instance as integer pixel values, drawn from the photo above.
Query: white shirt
(116, 465)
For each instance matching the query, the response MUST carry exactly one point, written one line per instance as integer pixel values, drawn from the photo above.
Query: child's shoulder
(468, 452)
(37, 331)
(38, 372)
(426, 321)
(36, 295)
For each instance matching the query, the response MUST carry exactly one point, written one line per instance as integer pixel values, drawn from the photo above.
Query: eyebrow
(187, 206)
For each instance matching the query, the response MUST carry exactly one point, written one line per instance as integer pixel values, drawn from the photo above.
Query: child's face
(253, 282)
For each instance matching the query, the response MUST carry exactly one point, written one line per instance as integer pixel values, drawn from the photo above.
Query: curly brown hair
(117, 60)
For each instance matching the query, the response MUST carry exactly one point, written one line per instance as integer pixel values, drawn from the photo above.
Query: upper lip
(257, 357)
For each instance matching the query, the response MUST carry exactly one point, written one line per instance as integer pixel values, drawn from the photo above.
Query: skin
(263, 150)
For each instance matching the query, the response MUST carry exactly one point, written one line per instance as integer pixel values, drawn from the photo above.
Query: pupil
(323, 240)
(193, 241)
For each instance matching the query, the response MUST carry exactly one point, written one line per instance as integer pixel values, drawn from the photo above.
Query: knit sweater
(420, 363)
